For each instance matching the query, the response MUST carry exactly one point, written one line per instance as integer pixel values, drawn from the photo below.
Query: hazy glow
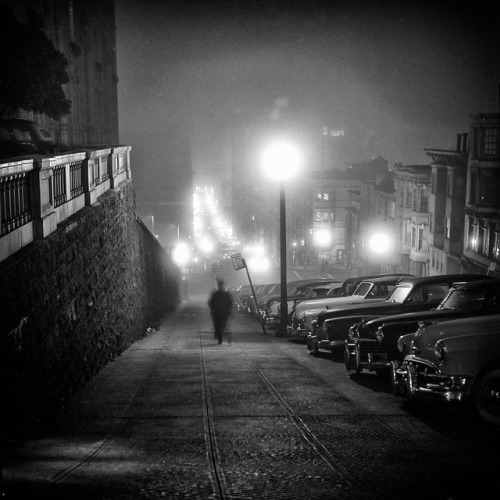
(206, 245)
(281, 161)
(181, 254)
(379, 243)
(258, 264)
(322, 237)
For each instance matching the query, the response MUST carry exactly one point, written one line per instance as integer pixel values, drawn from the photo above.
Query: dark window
(491, 144)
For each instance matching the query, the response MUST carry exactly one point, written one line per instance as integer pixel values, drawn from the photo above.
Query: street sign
(238, 261)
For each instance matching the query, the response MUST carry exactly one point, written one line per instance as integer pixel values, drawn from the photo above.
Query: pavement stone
(178, 416)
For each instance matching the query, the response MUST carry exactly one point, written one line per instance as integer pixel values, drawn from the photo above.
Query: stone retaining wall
(75, 300)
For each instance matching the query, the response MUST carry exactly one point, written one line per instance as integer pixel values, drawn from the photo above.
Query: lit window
(496, 245)
(485, 240)
(473, 236)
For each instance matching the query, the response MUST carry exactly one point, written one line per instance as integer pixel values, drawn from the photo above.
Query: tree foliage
(32, 70)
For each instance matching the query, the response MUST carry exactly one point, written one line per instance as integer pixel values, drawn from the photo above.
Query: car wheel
(487, 397)
(315, 348)
(309, 344)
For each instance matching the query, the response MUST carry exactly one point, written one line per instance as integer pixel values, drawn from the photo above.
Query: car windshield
(362, 289)
(399, 294)
(464, 300)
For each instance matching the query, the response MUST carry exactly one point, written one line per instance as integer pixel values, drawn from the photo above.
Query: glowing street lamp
(379, 243)
(281, 162)
(181, 254)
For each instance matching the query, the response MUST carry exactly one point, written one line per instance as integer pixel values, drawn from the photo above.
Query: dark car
(24, 137)
(373, 345)
(410, 295)
(455, 361)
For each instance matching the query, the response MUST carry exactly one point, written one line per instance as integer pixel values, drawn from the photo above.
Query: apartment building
(446, 205)
(412, 183)
(481, 243)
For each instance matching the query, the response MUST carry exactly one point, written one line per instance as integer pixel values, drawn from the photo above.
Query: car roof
(442, 277)
(389, 278)
(367, 277)
(313, 282)
(481, 284)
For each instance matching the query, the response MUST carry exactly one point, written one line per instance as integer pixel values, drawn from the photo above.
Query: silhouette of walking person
(221, 304)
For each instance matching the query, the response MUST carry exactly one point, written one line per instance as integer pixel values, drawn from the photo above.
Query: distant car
(410, 295)
(329, 290)
(297, 290)
(370, 289)
(373, 344)
(24, 137)
(457, 360)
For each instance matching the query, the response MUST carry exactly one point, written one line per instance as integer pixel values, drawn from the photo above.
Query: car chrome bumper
(419, 378)
(300, 332)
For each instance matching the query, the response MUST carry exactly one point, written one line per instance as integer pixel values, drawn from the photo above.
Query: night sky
(396, 77)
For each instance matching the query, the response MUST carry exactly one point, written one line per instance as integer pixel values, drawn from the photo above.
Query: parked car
(328, 290)
(24, 137)
(296, 290)
(328, 338)
(411, 294)
(457, 360)
(370, 289)
(246, 300)
(237, 294)
(373, 344)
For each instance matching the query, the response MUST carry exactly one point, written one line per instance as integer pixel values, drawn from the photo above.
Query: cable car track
(305, 432)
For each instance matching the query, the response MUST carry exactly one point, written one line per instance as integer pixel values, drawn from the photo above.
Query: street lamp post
(284, 301)
(281, 162)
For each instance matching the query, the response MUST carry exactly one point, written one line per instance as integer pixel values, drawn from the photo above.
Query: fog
(394, 77)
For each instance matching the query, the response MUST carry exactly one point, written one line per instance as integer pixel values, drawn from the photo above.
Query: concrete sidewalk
(137, 385)
(179, 416)
(138, 429)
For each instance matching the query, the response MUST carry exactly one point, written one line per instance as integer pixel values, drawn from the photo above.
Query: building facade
(413, 215)
(84, 31)
(446, 204)
(482, 208)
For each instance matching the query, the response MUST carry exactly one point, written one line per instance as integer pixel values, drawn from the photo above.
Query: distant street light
(380, 246)
(181, 254)
(379, 243)
(281, 162)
